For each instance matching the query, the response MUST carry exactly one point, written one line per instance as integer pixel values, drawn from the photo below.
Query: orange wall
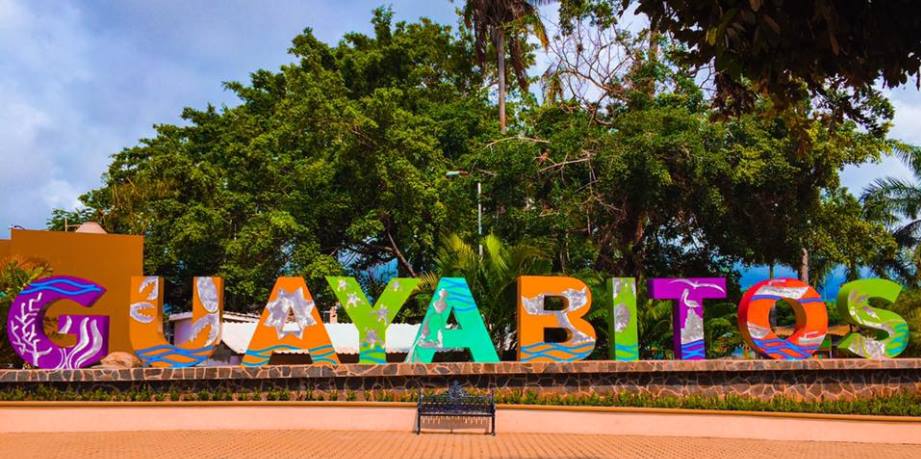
(107, 259)
(4, 248)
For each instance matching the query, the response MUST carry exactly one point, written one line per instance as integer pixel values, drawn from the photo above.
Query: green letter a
(452, 295)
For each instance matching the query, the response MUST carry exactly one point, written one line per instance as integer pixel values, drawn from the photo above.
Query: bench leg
(494, 424)
(418, 424)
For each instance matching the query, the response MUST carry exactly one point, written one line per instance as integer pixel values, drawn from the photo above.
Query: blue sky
(79, 81)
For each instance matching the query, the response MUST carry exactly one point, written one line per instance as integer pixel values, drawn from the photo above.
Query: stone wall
(805, 379)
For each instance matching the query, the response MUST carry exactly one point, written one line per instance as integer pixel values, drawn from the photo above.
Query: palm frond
(428, 281)
(899, 196)
(908, 235)
(536, 26)
(909, 154)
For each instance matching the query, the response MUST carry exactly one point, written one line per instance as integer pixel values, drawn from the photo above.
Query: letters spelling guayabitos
(452, 297)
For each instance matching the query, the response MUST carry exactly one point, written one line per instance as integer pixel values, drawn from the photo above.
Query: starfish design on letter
(341, 285)
(396, 285)
(621, 317)
(286, 303)
(371, 338)
(352, 301)
(381, 314)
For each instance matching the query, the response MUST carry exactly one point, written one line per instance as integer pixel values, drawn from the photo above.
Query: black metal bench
(456, 402)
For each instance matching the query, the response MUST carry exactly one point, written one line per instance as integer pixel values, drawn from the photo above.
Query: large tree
(645, 181)
(337, 159)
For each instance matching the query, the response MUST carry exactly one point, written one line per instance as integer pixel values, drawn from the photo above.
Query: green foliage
(899, 404)
(835, 51)
(895, 404)
(896, 203)
(337, 163)
(339, 155)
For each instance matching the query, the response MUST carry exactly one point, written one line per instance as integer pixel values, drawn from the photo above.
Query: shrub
(893, 404)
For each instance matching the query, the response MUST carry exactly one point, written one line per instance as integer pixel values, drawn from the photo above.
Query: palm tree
(492, 278)
(501, 22)
(897, 203)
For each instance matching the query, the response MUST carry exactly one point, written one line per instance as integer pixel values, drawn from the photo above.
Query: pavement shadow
(450, 424)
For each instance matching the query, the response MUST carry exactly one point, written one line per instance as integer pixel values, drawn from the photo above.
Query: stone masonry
(804, 379)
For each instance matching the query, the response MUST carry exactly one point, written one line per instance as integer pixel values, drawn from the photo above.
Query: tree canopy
(340, 155)
(835, 50)
(337, 163)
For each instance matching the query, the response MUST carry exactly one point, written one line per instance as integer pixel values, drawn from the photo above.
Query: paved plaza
(380, 445)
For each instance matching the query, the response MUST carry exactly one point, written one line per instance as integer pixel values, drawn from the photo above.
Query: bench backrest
(456, 400)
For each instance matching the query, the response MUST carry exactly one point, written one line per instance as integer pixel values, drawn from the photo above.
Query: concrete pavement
(403, 445)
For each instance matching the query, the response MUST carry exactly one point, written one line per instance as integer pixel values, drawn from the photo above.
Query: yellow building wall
(107, 259)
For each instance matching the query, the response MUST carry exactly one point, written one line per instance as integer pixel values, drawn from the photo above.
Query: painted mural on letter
(452, 296)
(622, 323)
(371, 322)
(533, 319)
(26, 318)
(145, 327)
(290, 321)
(688, 316)
(811, 319)
(854, 306)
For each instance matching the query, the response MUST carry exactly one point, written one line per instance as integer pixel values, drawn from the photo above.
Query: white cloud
(907, 122)
(906, 127)
(60, 194)
(81, 81)
(41, 57)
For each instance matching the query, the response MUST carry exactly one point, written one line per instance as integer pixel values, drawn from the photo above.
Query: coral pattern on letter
(27, 313)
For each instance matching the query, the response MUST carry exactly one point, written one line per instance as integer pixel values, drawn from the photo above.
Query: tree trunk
(771, 271)
(500, 53)
(399, 254)
(804, 267)
(653, 59)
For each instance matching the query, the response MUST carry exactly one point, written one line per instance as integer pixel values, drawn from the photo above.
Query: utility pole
(479, 207)
(479, 217)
